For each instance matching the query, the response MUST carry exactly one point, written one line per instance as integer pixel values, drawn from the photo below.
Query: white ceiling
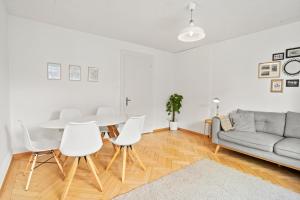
(156, 23)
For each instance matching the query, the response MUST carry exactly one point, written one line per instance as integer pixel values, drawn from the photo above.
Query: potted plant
(173, 107)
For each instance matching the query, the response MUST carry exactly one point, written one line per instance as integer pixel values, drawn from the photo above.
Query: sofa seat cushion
(257, 140)
(289, 147)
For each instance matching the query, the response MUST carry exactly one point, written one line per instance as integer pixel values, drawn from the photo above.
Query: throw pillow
(243, 121)
(226, 123)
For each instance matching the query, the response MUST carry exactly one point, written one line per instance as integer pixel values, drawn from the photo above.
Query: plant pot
(173, 126)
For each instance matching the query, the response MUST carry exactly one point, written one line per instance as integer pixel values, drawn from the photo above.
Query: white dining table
(109, 121)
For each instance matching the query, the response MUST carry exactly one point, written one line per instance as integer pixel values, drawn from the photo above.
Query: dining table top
(101, 121)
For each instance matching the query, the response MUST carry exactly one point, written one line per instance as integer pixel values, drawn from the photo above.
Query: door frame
(123, 53)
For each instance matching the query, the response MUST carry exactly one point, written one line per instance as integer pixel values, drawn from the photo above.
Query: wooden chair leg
(58, 163)
(124, 164)
(217, 149)
(93, 169)
(31, 171)
(113, 159)
(89, 167)
(59, 155)
(138, 158)
(69, 179)
(28, 163)
(130, 156)
(65, 161)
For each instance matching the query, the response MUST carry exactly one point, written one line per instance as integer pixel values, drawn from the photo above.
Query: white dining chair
(80, 140)
(129, 135)
(39, 148)
(105, 111)
(70, 114)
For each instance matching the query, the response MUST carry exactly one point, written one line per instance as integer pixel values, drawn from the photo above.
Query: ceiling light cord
(191, 20)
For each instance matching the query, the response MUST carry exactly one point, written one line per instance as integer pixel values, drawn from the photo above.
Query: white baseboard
(4, 167)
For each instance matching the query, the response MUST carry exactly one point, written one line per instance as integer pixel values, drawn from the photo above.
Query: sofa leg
(217, 149)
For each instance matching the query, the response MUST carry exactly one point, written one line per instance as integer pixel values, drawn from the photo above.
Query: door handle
(127, 101)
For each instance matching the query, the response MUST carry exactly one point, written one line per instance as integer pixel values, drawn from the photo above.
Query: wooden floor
(161, 152)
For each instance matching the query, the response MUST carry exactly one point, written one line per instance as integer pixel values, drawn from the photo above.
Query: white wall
(192, 81)
(5, 152)
(35, 99)
(233, 73)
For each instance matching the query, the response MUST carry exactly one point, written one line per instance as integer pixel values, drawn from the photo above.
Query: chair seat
(258, 140)
(115, 142)
(289, 147)
(45, 145)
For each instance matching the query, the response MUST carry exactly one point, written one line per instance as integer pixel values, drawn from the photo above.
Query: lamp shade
(216, 100)
(191, 33)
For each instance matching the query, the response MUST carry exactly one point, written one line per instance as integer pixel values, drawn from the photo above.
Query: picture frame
(277, 85)
(93, 74)
(53, 71)
(74, 73)
(269, 69)
(292, 83)
(292, 52)
(278, 56)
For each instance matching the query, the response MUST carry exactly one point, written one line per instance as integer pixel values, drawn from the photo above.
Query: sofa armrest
(216, 128)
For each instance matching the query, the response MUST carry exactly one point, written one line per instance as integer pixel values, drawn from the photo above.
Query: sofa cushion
(289, 147)
(257, 140)
(243, 121)
(269, 122)
(292, 127)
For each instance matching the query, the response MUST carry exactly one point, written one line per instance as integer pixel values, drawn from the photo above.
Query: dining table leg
(113, 132)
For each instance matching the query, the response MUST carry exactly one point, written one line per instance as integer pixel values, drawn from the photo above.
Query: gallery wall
(229, 70)
(35, 99)
(5, 151)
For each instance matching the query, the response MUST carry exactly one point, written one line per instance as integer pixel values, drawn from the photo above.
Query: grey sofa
(277, 138)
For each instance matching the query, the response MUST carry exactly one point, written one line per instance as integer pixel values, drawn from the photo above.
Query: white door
(136, 86)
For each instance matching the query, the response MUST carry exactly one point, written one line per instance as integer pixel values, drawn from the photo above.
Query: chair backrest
(70, 114)
(132, 130)
(105, 110)
(80, 139)
(27, 138)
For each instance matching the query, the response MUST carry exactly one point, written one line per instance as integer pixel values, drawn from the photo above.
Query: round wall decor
(292, 67)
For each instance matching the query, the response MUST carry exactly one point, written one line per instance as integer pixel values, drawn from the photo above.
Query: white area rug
(208, 180)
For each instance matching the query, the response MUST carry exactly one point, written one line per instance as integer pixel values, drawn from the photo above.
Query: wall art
(292, 52)
(292, 83)
(277, 85)
(93, 74)
(74, 73)
(269, 69)
(54, 71)
(292, 67)
(278, 56)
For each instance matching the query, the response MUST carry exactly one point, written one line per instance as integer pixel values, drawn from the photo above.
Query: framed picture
(277, 85)
(278, 56)
(269, 69)
(54, 71)
(292, 52)
(93, 74)
(292, 83)
(74, 73)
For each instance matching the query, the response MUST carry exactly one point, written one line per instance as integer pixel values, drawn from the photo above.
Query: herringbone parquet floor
(162, 153)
